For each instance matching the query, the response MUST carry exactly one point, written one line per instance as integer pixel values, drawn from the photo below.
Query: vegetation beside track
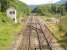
(59, 30)
(8, 29)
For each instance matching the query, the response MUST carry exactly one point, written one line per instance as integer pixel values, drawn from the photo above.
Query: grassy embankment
(8, 31)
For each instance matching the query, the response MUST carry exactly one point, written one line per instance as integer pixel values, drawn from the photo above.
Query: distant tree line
(51, 8)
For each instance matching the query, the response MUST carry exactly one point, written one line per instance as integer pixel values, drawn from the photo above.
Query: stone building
(11, 12)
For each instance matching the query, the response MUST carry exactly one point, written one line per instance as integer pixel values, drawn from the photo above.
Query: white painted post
(15, 17)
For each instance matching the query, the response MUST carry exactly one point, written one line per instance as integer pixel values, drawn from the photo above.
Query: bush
(4, 18)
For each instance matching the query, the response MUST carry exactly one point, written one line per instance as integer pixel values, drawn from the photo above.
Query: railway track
(37, 36)
(51, 41)
(41, 37)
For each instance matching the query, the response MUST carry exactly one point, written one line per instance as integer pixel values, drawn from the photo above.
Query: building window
(12, 12)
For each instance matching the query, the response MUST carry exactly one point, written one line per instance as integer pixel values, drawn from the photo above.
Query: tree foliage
(51, 8)
(5, 4)
(20, 7)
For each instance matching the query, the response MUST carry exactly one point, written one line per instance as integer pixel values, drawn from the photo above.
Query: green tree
(5, 4)
(66, 6)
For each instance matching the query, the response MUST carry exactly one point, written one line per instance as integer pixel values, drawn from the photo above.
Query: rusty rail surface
(44, 37)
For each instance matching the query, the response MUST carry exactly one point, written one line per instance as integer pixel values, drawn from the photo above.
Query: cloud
(37, 2)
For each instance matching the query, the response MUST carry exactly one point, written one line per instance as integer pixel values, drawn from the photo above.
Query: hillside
(8, 29)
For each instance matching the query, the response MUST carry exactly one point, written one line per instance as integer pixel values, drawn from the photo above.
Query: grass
(8, 31)
(63, 40)
(45, 18)
(52, 26)
(7, 34)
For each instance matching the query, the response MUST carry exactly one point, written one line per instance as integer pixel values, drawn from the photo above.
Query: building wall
(11, 12)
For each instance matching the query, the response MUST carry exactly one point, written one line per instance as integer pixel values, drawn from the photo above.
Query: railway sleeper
(42, 49)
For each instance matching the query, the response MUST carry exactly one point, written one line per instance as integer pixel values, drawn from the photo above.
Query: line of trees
(4, 4)
(51, 8)
(21, 7)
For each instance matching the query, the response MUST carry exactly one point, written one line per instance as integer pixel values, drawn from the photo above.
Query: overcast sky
(38, 2)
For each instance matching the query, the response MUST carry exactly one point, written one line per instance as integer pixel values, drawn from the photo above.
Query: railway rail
(43, 40)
